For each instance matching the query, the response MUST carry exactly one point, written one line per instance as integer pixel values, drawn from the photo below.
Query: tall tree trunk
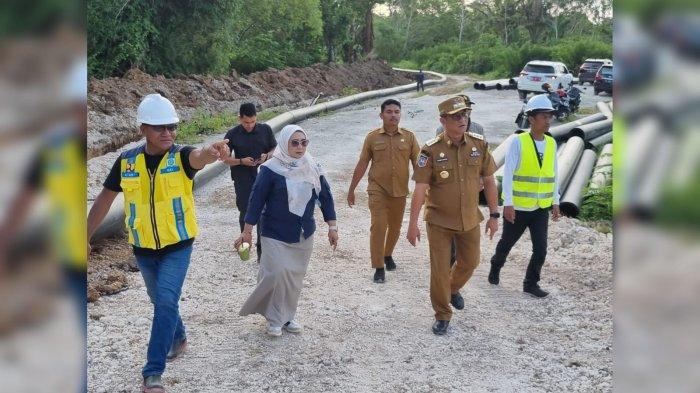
(368, 31)
(461, 21)
(408, 31)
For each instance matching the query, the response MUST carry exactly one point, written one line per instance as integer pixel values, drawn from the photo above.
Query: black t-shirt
(249, 144)
(113, 183)
(34, 176)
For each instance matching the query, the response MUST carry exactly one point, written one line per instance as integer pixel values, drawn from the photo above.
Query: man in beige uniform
(389, 148)
(450, 166)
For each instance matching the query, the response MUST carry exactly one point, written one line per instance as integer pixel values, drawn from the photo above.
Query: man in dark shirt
(420, 78)
(251, 143)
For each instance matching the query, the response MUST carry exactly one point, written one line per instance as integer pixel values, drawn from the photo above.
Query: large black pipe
(602, 140)
(568, 161)
(592, 130)
(477, 85)
(561, 132)
(570, 203)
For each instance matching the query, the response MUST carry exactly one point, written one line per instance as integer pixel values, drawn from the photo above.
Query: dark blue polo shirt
(249, 144)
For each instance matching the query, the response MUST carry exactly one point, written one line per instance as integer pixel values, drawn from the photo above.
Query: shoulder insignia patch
(475, 135)
(432, 141)
(422, 160)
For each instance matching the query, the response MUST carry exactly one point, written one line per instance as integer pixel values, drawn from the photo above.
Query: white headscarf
(302, 175)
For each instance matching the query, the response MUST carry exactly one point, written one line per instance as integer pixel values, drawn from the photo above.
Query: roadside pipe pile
(571, 198)
(602, 173)
(592, 130)
(114, 221)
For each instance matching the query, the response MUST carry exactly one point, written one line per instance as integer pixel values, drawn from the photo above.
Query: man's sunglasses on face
(166, 127)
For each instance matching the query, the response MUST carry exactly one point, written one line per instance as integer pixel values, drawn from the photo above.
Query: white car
(537, 72)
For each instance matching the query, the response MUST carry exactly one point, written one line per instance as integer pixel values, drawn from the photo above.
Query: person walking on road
(451, 166)
(475, 128)
(251, 144)
(420, 78)
(157, 180)
(283, 200)
(530, 191)
(390, 149)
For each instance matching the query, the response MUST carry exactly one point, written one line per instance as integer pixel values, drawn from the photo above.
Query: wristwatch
(495, 215)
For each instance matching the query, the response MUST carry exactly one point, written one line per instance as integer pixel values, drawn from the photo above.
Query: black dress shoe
(440, 327)
(535, 290)
(389, 263)
(379, 276)
(495, 275)
(457, 301)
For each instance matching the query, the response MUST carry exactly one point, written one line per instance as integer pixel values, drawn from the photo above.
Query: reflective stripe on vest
(65, 177)
(534, 186)
(159, 206)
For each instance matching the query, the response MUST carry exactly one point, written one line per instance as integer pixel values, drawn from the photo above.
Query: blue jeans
(164, 276)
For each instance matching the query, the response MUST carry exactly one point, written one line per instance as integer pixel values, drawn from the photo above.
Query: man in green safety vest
(530, 191)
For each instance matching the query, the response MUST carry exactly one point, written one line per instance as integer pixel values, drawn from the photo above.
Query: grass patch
(202, 124)
(348, 91)
(597, 204)
(268, 114)
(587, 111)
(406, 64)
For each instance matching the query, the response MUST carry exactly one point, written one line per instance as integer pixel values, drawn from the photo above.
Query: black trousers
(419, 86)
(537, 222)
(243, 184)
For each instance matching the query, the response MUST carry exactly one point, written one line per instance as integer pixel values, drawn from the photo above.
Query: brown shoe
(176, 351)
(152, 384)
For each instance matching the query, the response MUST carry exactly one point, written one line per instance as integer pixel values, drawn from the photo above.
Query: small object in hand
(244, 251)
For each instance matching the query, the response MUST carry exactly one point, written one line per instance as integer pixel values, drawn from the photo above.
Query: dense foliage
(456, 36)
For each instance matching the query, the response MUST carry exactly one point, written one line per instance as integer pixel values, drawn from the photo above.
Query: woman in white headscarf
(282, 203)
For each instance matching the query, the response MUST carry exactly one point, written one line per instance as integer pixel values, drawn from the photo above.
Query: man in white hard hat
(156, 179)
(58, 172)
(530, 191)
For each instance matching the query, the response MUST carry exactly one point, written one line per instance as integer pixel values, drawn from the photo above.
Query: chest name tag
(170, 169)
(130, 174)
(440, 160)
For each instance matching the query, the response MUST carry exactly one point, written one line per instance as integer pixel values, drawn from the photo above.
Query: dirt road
(361, 336)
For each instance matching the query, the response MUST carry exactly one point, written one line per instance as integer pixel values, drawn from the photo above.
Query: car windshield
(540, 69)
(592, 64)
(606, 72)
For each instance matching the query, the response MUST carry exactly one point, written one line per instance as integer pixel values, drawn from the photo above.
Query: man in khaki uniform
(390, 149)
(447, 179)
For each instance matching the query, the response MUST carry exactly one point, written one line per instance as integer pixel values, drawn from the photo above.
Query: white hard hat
(74, 87)
(156, 110)
(539, 103)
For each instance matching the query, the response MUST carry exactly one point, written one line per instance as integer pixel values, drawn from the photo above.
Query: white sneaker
(292, 327)
(274, 331)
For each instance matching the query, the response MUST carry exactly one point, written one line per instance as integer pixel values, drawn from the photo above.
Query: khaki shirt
(453, 173)
(390, 155)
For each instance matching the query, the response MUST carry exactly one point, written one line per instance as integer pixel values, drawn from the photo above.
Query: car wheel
(522, 94)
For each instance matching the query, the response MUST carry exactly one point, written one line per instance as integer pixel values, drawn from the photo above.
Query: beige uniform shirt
(390, 155)
(453, 173)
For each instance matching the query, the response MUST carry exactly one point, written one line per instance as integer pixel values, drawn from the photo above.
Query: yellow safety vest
(534, 186)
(65, 175)
(159, 206)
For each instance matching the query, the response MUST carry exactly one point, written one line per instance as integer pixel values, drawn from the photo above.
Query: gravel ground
(361, 336)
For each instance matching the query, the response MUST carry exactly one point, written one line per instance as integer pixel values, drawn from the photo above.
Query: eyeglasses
(297, 142)
(459, 115)
(162, 128)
